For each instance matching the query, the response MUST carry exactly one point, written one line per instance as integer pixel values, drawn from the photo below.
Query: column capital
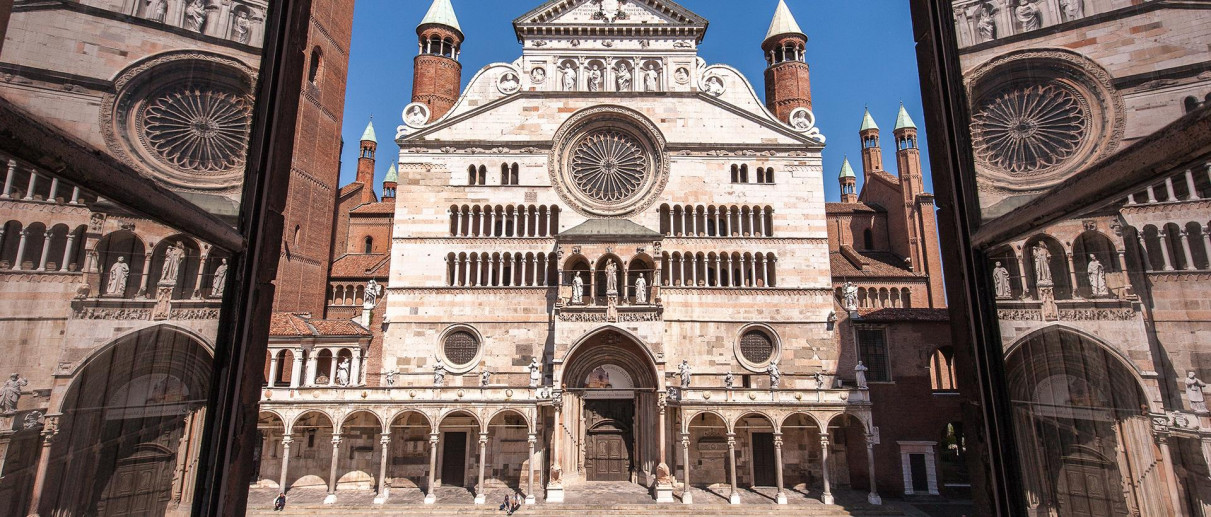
(532, 438)
(483, 438)
(287, 440)
(385, 438)
(433, 438)
(336, 439)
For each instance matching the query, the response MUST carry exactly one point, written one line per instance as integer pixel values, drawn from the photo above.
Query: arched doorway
(131, 420)
(610, 407)
(1080, 418)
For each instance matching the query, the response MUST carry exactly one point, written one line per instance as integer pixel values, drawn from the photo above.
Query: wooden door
(606, 457)
(141, 484)
(764, 461)
(454, 459)
(920, 476)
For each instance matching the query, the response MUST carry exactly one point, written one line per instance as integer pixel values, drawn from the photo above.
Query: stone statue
(641, 290)
(11, 393)
(799, 121)
(729, 381)
(1000, 277)
(714, 86)
(685, 371)
(623, 78)
(1097, 277)
(173, 257)
(417, 116)
(243, 26)
(390, 376)
(594, 77)
(860, 375)
(535, 372)
(1042, 264)
(118, 274)
(819, 378)
(538, 75)
(569, 78)
(195, 15)
(577, 289)
(611, 272)
(775, 376)
(156, 10)
(439, 373)
(986, 26)
(651, 78)
(485, 377)
(1194, 392)
(1072, 9)
(219, 283)
(342, 372)
(849, 293)
(509, 82)
(373, 291)
(1028, 15)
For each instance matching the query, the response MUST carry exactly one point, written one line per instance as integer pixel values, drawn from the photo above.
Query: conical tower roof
(903, 120)
(392, 175)
(846, 170)
(368, 134)
(783, 23)
(441, 13)
(868, 122)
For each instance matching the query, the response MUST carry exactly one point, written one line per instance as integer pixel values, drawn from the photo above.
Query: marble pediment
(610, 13)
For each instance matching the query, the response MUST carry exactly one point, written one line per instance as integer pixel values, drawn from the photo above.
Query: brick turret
(787, 82)
(365, 163)
(849, 183)
(919, 208)
(389, 184)
(437, 74)
(872, 154)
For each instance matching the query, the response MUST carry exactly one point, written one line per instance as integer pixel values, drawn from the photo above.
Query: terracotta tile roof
(375, 208)
(349, 189)
(299, 324)
(839, 208)
(373, 265)
(880, 264)
(939, 315)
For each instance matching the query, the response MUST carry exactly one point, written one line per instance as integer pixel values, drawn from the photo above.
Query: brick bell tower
(919, 208)
(365, 163)
(787, 82)
(437, 74)
(872, 154)
(849, 183)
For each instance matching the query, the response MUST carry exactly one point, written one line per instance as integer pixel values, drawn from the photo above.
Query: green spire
(392, 175)
(368, 134)
(903, 120)
(442, 13)
(783, 22)
(868, 122)
(846, 170)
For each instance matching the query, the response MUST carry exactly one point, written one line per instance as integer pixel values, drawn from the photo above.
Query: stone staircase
(591, 510)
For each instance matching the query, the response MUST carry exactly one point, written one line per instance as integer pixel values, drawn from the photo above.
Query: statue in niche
(243, 27)
(11, 393)
(623, 78)
(156, 10)
(535, 372)
(651, 78)
(439, 373)
(1194, 392)
(685, 371)
(1042, 264)
(219, 283)
(860, 375)
(775, 376)
(729, 381)
(577, 289)
(594, 76)
(569, 77)
(173, 257)
(611, 272)
(390, 376)
(819, 378)
(195, 15)
(1097, 277)
(342, 372)
(641, 290)
(1028, 15)
(986, 26)
(485, 377)
(849, 293)
(373, 291)
(1000, 278)
(118, 274)
(1072, 9)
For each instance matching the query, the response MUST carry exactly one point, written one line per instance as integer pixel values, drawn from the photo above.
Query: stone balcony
(781, 397)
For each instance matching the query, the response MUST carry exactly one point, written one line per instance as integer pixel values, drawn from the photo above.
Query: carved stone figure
(417, 116)
(611, 272)
(509, 83)
(243, 27)
(156, 10)
(373, 291)
(800, 120)
(986, 26)
(819, 378)
(775, 376)
(1042, 264)
(390, 376)
(685, 371)
(577, 289)
(1097, 277)
(623, 78)
(569, 78)
(195, 15)
(1072, 9)
(219, 283)
(651, 78)
(11, 393)
(485, 377)
(118, 274)
(1194, 392)
(535, 372)
(641, 290)
(1000, 278)
(714, 86)
(729, 381)
(682, 76)
(342, 372)
(849, 293)
(439, 373)
(171, 271)
(538, 75)
(595, 80)
(1028, 15)
(860, 375)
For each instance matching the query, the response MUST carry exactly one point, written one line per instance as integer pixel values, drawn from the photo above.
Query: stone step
(563, 511)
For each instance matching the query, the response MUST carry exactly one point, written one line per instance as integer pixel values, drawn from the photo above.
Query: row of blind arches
(765, 175)
(504, 221)
(723, 269)
(717, 221)
(509, 174)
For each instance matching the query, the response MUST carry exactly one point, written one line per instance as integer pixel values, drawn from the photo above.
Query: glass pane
(110, 316)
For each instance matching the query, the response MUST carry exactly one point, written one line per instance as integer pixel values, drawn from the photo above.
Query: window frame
(883, 363)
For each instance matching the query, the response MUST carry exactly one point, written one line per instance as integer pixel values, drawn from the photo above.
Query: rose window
(461, 348)
(198, 129)
(1025, 130)
(756, 347)
(609, 166)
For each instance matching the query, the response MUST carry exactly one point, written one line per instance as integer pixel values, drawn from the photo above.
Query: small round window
(756, 347)
(460, 348)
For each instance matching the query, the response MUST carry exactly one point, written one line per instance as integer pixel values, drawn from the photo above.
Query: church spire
(849, 182)
(441, 13)
(787, 80)
(783, 23)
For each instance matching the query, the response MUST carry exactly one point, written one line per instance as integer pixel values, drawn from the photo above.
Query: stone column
(686, 496)
(531, 440)
(1022, 271)
(54, 189)
(517, 222)
(734, 498)
(355, 370)
(555, 480)
(460, 271)
(1190, 185)
(46, 236)
(1151, 194)
(1164, 241)
(1071, 273)
(67, 251)
(1185, 236)
(687, 221)
(1169, 193)
(385, 442)
(1175, 500)
(21, 249)
(311, 366)
(296, 369)
(873, 496)
(50, 429)
(33, 180)
(332, 367)
(8, 181)
(827, 496)
(759, 227)
(1144, 250)
(718, 271)
(286, 441)
(336, 456)
(480, 496)
(75, 195)
(780, 497)
(271, 379)
(694, 269)
(664, 475)
(431, 495)
(764, 272)
(197, 281)
(752, 223)
(146, 275)
(477, 264)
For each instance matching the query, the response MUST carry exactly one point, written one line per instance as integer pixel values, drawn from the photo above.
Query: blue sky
(861, 53)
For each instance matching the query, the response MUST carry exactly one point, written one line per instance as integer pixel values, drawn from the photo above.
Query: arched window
(483, 175)
(744, 173)
(504, 174)
(868, 239)
(941, 369)
(313, 69)
(368, 245)
(513, 175)
(735, 173)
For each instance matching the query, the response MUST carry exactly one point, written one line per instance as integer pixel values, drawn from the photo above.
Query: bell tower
(872, 154)
(365, 162)
(437, 74)
(787, 82)
(849, 183)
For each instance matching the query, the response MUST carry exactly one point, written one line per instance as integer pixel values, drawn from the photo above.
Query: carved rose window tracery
(609, 166)
(196, 129)
(756, 347)
(1024, 130)
(461, 348)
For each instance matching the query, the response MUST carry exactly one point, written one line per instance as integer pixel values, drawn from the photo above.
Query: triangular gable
(600, 14)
